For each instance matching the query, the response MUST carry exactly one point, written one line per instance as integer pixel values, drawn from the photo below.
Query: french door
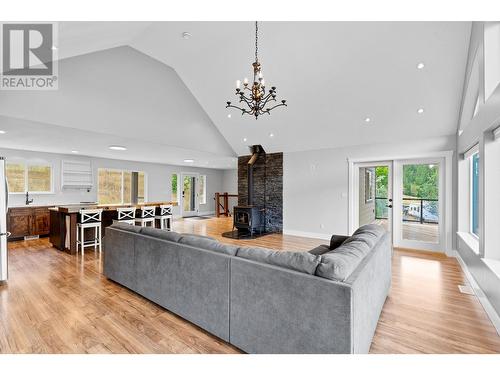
(419, 204)
(189, 197)
(407, 197)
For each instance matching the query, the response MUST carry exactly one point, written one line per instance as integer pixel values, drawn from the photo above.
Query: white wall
(158, 179)
(478, 130)
(315, 183)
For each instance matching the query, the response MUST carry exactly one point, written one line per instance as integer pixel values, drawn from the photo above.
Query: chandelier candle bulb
(245, 81)
(238, 83)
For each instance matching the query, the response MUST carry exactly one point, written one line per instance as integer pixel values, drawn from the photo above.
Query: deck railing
(416, 210)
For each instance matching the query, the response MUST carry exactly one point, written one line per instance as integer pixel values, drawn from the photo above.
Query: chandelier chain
(256, 41)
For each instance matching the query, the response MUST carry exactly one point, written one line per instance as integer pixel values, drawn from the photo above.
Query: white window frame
(122, 171)
(469, 157)
(204, 177)
(26, 164)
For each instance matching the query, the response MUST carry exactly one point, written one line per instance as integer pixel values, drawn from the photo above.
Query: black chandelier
(257, 98)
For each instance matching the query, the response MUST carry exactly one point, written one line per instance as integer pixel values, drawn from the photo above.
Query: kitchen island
(64, 220)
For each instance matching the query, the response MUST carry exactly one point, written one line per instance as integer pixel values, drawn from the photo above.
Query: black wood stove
(250, 218)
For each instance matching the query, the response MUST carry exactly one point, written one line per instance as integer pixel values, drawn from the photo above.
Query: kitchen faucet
(28, 200)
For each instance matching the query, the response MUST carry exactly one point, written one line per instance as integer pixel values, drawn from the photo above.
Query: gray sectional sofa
(327, 300)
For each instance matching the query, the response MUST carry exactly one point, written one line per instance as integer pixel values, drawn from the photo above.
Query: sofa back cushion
(161, 234)
(338, 264)
(297, 261)
(370, 234)
(198, 235)
(127, 227)
(208, 244)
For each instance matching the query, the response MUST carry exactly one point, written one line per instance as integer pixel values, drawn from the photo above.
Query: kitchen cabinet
(28, 221)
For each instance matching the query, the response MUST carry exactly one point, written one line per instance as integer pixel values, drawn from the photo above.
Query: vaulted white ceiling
(333, 75)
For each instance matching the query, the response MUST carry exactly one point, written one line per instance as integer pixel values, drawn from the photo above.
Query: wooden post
(226, 204)
(217, 208)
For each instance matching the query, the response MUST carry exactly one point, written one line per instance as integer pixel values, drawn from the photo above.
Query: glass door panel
(419, 196)
(189, 195)
(374, 204)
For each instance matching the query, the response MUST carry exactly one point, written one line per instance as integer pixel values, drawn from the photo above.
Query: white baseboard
(298, 233)
(488, 308)
(202, 213)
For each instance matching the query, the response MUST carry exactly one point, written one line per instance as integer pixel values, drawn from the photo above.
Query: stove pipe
(256, 150)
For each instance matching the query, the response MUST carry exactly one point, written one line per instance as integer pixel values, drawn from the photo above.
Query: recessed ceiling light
(420, 65)
(244, 139)
(271, 135)
(186, 35)
(368, 119)
(117, 148)
(420, 111)
(74, 151)
(2, 132)
(188, 161)
(228, 115)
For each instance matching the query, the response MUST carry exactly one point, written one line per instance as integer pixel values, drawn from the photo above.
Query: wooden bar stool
(147, 216)
(89, 218)
(126, 215)
(165, 216)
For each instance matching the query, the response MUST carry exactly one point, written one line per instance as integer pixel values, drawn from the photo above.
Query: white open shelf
(76, 174)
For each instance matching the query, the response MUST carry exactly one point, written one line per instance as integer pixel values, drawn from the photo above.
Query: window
(474, 194)
(175, 194)
(202, 189)
(116, 186)
(31, 177)
(369, 188)
(16, 177)
(141, 198)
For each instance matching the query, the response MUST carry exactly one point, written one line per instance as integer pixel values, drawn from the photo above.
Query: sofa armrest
(336, 241)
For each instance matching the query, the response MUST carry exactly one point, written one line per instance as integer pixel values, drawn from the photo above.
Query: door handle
(388, 205)
(5, 234)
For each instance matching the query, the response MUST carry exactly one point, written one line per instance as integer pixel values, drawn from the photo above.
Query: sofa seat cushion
(161, 234)
(320, 250)
(208, 244)
(127, 227)
(297, 261)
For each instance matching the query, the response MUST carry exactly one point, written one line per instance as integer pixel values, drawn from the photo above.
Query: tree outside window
(22, 178)
(175, 194)
(202, 189)
(115, 186)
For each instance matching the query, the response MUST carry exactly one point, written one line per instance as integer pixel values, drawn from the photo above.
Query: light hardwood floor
(57, 303)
